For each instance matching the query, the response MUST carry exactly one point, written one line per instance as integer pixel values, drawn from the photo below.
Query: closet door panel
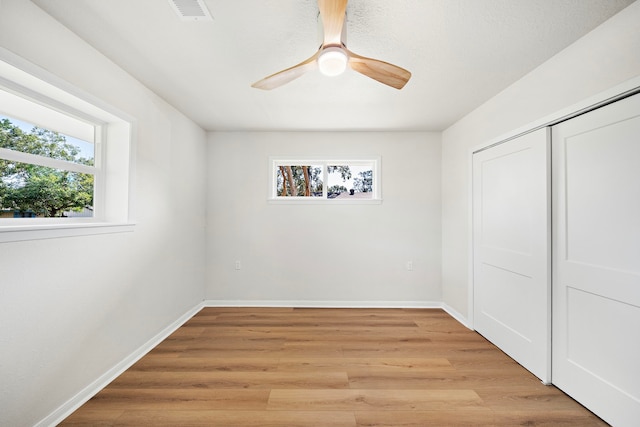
(511, 249)
(596, 241)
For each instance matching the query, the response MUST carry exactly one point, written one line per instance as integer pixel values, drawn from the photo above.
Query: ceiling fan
(333, 57)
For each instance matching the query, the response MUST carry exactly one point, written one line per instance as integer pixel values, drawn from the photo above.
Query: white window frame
(275, 162)
(113, 154)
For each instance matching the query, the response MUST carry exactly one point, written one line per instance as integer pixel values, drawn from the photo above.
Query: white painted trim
(470, 296)
(322, 304)
(321, 201)
(18, 156)
(28, 231)
(626, 88)
(54, 87)
(456, 315)
(92, 389)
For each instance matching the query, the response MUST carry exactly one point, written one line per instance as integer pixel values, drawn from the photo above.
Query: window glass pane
(350, 181)
(28, 190)
(299, 181)
(25, 137)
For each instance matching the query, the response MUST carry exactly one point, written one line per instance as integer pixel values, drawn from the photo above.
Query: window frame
(113, 154)
(276, 161)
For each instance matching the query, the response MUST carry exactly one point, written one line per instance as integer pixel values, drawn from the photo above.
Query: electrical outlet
(409, 265)
(238, 265)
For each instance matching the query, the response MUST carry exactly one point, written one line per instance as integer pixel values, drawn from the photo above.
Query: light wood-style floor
(328, 367)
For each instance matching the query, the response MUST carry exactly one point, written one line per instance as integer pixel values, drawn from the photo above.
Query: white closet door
(511, 238)
(596, 280)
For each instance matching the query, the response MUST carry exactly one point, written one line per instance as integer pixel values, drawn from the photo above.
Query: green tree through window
(45, 191)
(299, 181)
(363, 183)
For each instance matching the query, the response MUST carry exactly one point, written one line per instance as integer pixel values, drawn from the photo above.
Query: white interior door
(511, 238)
(596, 279)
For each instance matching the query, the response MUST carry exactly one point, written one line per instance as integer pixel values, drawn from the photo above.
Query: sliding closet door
(596, 280)
(511, 238)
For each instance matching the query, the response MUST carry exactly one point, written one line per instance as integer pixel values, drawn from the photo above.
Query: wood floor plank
(476, 416)
(543, 398)
(429, 380)
(233, 380)
(481, 417)
(547, 418)
(237, 419)
(228, 353)
(176, 399)
(97, 416)
(311, 322)
(440, 324)
(355, 364)
(206, 364)
(328, 367)
(362, 400)
(364, 333)
(368, 350)
(227, 343)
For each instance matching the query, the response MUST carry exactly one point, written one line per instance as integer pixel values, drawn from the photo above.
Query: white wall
(604, 58)
(317, 254)
(72, 308)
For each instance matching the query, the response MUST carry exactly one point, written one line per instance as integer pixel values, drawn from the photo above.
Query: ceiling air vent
(191, 10)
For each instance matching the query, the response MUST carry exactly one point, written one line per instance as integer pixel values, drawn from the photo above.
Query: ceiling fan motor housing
(343, 35)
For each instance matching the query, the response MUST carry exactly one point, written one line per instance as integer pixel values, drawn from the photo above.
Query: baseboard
(92, 389)
(322, 304)
(456, 315)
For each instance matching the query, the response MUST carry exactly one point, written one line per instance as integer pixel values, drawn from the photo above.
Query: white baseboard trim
(456, 315)
(92, 389)
(322, 304)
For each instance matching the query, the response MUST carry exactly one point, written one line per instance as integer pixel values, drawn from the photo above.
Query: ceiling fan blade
(385, 73)
(332, 13)
(285, 76)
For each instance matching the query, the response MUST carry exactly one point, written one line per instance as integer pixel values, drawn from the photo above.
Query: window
(64, 158)
(44, 171)
(320, 181)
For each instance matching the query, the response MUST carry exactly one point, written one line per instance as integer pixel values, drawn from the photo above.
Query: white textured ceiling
(461, 53)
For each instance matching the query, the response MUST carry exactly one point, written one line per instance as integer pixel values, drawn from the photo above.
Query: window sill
(321, 201)
(18, 233)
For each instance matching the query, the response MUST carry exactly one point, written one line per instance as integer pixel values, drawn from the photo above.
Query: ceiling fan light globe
(332, 61)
